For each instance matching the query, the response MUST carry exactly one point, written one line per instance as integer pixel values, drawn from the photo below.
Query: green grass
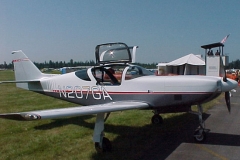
(131, 133)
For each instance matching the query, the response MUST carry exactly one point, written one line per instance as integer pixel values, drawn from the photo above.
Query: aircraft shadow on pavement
(149, 141)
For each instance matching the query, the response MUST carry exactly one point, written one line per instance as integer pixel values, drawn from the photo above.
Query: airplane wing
(75, 111)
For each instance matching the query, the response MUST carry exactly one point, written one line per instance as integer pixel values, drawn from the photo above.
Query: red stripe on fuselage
(69, 91)
(160, 92)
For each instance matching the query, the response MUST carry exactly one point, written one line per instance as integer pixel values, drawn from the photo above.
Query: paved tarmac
(223, 141)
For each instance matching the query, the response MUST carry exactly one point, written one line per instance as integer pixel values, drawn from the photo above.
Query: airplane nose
(228, 85)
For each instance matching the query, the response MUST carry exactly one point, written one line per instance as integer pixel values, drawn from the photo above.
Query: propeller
(227, 94)
(227, 99)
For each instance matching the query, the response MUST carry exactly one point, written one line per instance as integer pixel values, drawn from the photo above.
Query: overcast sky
(164, 30)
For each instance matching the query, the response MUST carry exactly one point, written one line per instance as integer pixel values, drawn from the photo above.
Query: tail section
(24, 68)
(27, 75)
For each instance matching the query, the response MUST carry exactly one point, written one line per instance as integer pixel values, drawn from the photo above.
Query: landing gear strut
(200, 133)
(156, 118)
(102, 144)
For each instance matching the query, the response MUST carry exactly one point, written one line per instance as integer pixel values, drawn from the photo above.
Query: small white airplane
(116, 85)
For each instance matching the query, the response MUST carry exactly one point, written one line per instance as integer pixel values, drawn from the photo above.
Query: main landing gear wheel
(157, 119)
(102, 144)
(106, 146)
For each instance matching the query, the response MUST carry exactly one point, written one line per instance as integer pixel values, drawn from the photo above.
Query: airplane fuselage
(157, 91)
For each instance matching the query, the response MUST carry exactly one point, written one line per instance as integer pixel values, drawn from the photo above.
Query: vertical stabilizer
(24, 69)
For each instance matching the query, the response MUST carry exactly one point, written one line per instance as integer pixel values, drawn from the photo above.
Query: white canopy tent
(187, 65)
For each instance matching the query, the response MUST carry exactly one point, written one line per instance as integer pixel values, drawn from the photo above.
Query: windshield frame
(99, 54)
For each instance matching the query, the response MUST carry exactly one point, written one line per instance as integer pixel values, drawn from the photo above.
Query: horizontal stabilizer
(26, 81)
(75, 111)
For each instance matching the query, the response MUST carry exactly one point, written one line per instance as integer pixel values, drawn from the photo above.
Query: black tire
(157, 119)
(198, 137)
(106, 146)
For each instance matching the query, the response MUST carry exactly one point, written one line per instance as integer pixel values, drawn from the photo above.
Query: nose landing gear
(200, 133)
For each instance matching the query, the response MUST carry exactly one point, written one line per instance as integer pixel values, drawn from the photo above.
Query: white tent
(188, 59)
(186, 65)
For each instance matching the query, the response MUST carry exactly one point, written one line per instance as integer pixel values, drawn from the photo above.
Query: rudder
(24, 68)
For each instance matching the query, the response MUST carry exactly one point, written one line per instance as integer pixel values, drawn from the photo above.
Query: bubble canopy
(113, 53)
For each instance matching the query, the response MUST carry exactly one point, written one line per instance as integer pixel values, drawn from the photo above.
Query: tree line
(234, 64)
(55, 64)
(61, 64)
(71, 63)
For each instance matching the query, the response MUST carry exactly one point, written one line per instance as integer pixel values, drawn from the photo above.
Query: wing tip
(20, 117)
